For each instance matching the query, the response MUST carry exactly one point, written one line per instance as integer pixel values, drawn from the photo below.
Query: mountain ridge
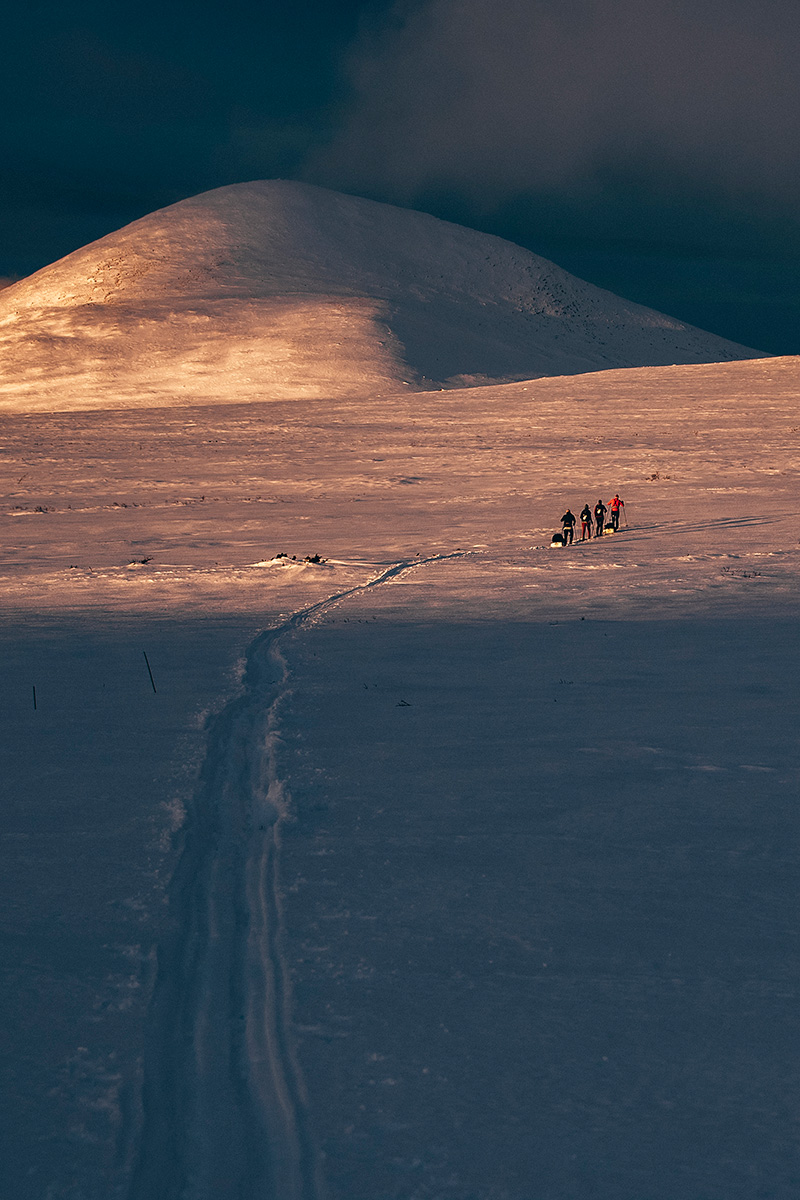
(277, 289)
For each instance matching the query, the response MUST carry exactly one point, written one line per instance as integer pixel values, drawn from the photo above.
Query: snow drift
(277, 290)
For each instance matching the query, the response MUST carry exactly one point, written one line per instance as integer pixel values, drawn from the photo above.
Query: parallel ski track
(224, 1107)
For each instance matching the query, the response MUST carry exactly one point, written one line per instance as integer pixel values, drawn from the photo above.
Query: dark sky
(652, 146)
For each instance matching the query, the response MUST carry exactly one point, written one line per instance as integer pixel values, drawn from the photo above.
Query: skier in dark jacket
(586, 522)
(568, 526)
(600, 511)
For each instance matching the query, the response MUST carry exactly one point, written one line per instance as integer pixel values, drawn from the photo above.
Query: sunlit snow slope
(277, 290)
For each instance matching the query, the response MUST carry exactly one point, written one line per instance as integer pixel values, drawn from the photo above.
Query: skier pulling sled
(616, 507)
(602, 526)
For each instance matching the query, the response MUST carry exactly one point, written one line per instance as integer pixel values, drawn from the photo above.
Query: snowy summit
(282, 290)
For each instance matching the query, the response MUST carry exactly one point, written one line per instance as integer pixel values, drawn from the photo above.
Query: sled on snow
(558, 540)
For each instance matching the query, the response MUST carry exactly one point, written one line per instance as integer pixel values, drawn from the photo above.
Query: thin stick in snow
(34, 697)
(149, 672)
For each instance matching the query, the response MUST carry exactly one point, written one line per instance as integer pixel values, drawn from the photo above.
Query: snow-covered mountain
(281, 290)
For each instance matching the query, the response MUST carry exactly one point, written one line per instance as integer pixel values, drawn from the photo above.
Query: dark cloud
(668, 98)
(111, 112)
(632, 141)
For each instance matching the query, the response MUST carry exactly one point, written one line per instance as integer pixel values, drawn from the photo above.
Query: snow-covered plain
(451, 866)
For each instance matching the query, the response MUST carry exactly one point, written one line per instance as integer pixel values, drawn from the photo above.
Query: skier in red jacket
(616, 505)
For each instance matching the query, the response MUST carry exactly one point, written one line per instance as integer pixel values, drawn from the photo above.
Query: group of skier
(592, 519)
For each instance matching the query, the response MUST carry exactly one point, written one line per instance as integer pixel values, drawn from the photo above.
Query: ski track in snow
(224, 1103)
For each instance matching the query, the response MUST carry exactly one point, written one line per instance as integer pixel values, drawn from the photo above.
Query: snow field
(354, 999)
(96, 784)
(538, 903)
(206, 494)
